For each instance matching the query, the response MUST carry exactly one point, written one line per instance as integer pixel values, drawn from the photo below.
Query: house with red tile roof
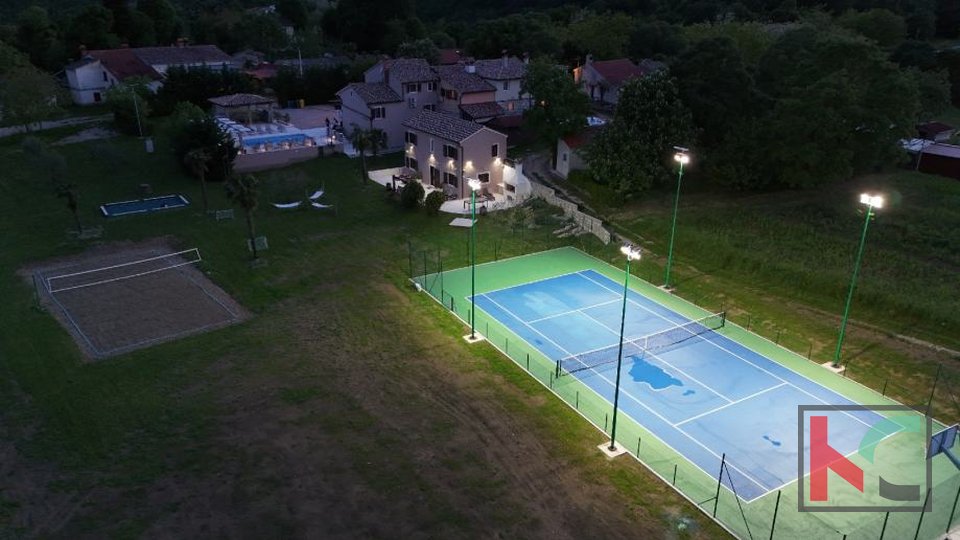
(602, 79)
(97, 71)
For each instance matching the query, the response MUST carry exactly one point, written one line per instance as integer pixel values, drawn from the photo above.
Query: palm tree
(243, 191)
(360, 139)
(196, 161)
(377, 140)
(71, 193)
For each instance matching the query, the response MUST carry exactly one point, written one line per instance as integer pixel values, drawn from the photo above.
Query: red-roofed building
(98, 71)
(569, 156)
(602, 79)
(449, 57)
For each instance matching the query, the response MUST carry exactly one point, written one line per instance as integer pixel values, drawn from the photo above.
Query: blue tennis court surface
(704, 396)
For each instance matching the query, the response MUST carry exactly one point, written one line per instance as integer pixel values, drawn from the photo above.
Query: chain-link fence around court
(774, 515)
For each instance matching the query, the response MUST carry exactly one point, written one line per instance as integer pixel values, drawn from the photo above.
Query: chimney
(526, 58)
(589, 60)
(181, 42)
(470, 67)
(504, 53)
(83, 50)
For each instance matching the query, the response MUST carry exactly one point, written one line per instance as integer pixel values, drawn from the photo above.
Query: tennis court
(696, 390)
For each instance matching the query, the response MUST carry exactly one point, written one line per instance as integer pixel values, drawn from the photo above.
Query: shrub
(433, 202)
(411, 196)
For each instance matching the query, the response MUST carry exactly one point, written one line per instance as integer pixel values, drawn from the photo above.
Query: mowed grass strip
(344, 378)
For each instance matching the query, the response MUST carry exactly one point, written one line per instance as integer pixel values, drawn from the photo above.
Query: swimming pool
(298, 138)
(139, 206)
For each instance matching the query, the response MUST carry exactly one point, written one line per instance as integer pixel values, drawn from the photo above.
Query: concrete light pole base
(617, 451)
(476, 338)
(667, 288)
(838, 370)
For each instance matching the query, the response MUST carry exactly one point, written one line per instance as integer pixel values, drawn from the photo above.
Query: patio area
(397, 177)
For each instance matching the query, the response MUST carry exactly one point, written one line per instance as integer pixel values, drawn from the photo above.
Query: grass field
(347, 405)
(781, 264)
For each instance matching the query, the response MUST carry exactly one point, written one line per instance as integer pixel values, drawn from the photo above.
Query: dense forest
(770, 93)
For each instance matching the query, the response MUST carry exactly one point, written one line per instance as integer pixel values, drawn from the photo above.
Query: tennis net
(649, 343)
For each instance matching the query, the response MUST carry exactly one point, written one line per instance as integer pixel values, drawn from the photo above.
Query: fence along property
(774, 515)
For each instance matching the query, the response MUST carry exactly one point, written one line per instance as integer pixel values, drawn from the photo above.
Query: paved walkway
(51, 124)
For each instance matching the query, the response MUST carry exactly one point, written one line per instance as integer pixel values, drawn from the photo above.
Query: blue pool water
(153, 204)
(254, 140)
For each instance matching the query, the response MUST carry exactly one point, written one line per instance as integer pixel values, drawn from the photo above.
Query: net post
(953, 510)
(884, 528)
(716, 499)
(776, 508)
(556, 369)
(926, 500)
(933, 388)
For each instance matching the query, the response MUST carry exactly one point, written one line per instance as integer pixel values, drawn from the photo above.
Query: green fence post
(776, 507)
(934, 388)
(716, 500)
(425, 269)
(577, 407)
(926, 500)
(884, 391)
(410, 258)
(528, 361)
(606, 418)
(674, 474)
(778, 336)
(639, 438)
(884, 528)
(953, 509)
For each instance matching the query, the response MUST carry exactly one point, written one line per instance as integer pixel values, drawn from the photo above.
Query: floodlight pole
(473, 261)
(616, 386)
(853, 285)
(681, 158)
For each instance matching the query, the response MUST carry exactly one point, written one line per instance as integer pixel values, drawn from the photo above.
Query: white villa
(98, 71)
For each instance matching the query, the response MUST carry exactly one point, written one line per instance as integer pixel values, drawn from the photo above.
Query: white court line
(572, 311)
(753, 395)
(733, 354)
(684, 373)
(631, 396)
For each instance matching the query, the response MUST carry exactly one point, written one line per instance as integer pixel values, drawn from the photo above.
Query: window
(430, 107)
(432, 86)
(483, 177)
(450, 93)
(411, 163)
(431, 146)
(97, 97)
(506, 85)
(104, 75)
(411, 137)
(412, 102)
(450, 178)
(564, 157)
(434, 177)
(450, 151)
(378, 112)
(411, 87)
(495, 150)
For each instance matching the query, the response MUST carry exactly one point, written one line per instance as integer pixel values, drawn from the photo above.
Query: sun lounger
(321, 206)
(286, 206)
(316, 194)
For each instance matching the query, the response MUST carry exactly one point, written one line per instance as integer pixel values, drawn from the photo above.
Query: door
(434, 177)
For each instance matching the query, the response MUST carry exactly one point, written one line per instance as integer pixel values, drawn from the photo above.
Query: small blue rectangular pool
(153, 204)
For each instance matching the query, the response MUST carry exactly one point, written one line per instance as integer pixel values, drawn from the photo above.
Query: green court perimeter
(754, 519)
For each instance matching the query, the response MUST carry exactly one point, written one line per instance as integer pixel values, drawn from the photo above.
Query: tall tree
(559, 107)
(360, 139)
(715, 84)
(631, 153)
(166, 24)
(29, 96)
(91, 27)
(36, 35)
(196, 162)
(244, 191)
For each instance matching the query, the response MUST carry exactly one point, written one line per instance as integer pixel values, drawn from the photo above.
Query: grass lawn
(347, 405)
(781, 263)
